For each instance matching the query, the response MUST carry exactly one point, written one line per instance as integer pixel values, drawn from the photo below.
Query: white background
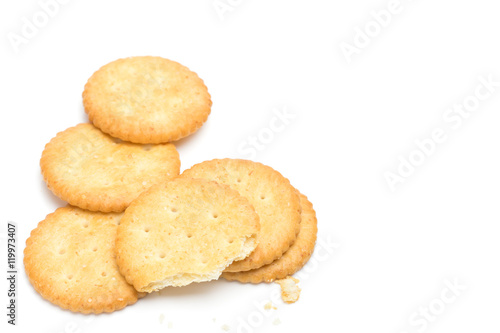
(352, 122)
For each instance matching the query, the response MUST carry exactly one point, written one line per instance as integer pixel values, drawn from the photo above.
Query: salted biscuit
(94, 171)
(293, 259)
(184, 231)
(290, 291)
(146, 100)
(70, 260)
(275, 200)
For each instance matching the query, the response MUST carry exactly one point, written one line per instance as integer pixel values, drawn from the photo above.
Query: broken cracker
(275, 201)
(184, 231)
(293, 259)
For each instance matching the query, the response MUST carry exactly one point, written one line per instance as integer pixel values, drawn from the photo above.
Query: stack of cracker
(133, 224)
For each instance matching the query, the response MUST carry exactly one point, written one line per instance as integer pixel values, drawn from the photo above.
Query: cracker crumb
(214, 320)
(276, 321)
(290, 291)
(226, 327)
(162, 318)
(270, 306)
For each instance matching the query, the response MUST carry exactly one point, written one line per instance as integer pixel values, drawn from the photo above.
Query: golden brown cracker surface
(95, 171)
(184, 231)
(275, 200)
(146, 100)
(293, 259)
(70, 260)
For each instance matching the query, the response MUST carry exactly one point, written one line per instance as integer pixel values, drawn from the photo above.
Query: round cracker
(94, 171)
(275, 200)
(293, 259)
(184, 231)
(146, 100)
(70, 260)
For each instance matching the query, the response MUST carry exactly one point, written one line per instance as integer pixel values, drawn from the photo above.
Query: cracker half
(146, 100)
(292, 260)
(70, 260)
(95, 171)
(275, 200)
(184, 231)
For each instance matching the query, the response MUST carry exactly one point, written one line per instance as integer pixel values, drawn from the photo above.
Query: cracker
(94, 171)
(69, 259)
(293, 259)
(184, 231)
(146, 100)
(290, 291)
(275, 200)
